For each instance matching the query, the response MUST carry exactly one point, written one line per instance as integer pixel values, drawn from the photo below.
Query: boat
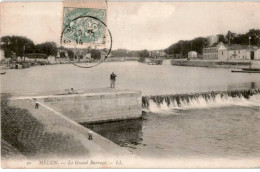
(2, 73)
(250, 69)
(246, 71)
(151, 63)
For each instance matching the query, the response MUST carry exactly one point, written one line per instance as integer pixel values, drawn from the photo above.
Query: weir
(199, 100)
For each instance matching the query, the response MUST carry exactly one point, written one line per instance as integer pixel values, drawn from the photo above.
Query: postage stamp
(83, 26)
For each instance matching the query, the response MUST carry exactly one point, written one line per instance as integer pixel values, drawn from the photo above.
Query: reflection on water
(126, 133)
(244, 85)
(253, 85)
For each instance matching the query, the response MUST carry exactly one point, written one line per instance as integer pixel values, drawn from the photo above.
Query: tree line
(20, 46)
(124, 53)
(183, 47)
(142, 54)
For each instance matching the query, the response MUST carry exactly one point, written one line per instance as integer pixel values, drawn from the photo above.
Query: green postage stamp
(83, 26)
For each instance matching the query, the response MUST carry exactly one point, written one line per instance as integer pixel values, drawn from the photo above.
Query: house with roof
(157, 53)
(192, 55)
(223, 52)
(211, 52)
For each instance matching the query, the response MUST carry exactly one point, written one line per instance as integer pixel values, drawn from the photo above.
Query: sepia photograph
(129, 84)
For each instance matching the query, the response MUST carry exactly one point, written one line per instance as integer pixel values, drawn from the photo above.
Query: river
(226, 127)
(150, 79)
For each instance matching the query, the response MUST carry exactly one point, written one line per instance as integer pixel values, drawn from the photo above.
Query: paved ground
(9, 152)
(44, 133)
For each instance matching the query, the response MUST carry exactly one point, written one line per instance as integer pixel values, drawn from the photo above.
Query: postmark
(84, 30)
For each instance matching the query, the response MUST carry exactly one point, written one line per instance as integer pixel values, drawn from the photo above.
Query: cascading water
(201, 100)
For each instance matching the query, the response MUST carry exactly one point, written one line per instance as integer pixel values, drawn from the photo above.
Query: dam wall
(161, 103)
(93, 106)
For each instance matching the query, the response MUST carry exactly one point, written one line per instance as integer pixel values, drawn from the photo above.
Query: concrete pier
(97, 105)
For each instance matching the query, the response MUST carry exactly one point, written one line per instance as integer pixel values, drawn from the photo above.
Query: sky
(137, 25)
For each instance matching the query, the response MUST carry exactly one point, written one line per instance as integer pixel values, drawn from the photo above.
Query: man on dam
(112, 80)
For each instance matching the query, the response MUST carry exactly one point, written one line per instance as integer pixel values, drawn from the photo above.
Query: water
(167, 103)
(229, 132)
(150, 79)
(200, 125)
(204, 125)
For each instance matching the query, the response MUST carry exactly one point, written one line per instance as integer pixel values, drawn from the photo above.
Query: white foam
(200, 102)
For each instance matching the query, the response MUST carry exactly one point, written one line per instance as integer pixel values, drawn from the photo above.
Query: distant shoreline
(3, 66)
(215, 63)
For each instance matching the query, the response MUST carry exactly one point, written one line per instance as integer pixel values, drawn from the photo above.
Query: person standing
(112, 80)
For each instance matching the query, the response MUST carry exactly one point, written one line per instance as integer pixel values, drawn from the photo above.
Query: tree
(16, 44)
(48, 48)
(183, 47)
(95, 54)
(70, 54)
(142, 55)
(230, 37)
(221, 38)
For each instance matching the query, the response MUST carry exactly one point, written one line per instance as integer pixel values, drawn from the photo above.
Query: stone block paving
(9, 152)
(44, 133)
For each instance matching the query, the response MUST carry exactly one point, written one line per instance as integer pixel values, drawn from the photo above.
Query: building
(212, 40)
(211, 52)
(157, 53)
(220, 51)
(178, 56)
(2, 55)
(35, 57)
(192, 55)
(162, 53)
(51, 59)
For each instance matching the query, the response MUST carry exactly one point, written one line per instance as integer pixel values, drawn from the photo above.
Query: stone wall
(97, 106)
(235, 64)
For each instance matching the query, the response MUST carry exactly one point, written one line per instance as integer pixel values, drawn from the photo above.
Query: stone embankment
(215, 63)
(97, 105)
(33, 133)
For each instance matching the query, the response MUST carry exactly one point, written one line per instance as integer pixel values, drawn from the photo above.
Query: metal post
(24, 52)
(250, 53)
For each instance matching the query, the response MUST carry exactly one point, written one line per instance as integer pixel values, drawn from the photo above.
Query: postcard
(130, 84)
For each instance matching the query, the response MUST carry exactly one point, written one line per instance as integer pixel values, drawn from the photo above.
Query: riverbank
(151, 61)
(28, 64)
(215, 63)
